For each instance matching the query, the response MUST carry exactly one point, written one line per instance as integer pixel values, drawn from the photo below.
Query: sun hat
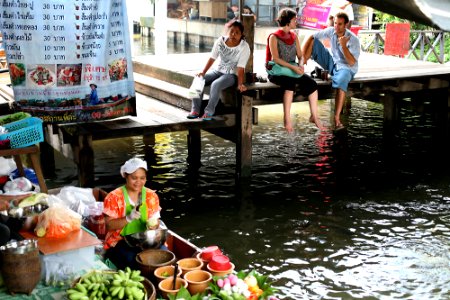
(131, 165)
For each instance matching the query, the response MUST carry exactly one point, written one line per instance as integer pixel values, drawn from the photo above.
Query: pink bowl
(220, 263)
(209, 252)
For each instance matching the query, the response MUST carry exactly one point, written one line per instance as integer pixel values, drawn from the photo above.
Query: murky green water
(345, 216)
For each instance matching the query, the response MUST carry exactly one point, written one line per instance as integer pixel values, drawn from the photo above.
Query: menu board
(69, 61)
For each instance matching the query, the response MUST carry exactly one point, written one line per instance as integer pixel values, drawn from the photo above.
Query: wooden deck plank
(371, 66)
(153, 117)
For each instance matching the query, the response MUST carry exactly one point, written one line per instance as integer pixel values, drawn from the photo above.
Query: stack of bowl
(207, 254)
(220, 265)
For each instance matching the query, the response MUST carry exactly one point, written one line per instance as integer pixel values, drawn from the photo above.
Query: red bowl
(209, 252)
(220, 263)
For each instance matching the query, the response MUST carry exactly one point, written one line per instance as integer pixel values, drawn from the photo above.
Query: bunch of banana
(97, 285)
(127, 284)
(93, 285)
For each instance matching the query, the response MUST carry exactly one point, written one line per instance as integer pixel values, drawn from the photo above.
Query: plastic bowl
(220, 263)
(209, 252)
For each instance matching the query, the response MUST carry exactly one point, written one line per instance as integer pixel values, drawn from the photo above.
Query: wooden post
(391, 117)
(244, 140)
(391, 110)
(194, 147)
(249, 32)
(439, 103)
(85, 160)
(47, 155)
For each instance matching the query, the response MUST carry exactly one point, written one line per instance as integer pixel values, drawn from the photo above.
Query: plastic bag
(77, 199)
(57, 222)
(58, 272)
(96, 221)
(197, 87)
(7, 165)
(20, 184)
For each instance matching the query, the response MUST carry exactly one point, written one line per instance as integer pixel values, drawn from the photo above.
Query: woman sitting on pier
(234, 53)
(283, 47)
(129, 209)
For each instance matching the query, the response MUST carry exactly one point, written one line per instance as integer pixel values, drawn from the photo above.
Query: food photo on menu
(118, 69)
(41, 75)
(17, 73)
(68, 74)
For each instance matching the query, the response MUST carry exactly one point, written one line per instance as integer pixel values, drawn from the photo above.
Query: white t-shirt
(230, 57)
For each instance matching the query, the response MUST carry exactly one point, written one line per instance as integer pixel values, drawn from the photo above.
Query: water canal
(328, 216)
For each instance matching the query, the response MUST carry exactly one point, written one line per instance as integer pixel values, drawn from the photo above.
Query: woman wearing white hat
(129, 209)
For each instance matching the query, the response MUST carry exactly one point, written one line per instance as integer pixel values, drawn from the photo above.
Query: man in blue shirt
(93, 99)
(341, 61)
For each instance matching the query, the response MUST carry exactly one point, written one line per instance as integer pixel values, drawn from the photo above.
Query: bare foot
(338, 125)
(317, 122)
(288, 126)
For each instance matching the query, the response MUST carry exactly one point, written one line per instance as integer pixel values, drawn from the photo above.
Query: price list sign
(69, 61)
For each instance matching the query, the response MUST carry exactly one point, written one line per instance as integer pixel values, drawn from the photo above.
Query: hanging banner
(313, 14)
(69, 61)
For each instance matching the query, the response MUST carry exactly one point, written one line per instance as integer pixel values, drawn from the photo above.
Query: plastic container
(209, 252)
(220, 263)
(24, 133)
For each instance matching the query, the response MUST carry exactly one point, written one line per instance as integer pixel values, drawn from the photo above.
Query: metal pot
(19, 247)
(149, 239)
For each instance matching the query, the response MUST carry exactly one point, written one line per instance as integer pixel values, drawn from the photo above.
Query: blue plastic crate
(24, 133)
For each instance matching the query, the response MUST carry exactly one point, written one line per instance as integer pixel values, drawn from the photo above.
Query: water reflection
(327, 216)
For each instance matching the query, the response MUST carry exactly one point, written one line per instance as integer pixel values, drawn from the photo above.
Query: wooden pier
(383, 79)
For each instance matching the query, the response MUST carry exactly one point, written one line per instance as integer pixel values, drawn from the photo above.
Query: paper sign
(69, 61)
(397, 39)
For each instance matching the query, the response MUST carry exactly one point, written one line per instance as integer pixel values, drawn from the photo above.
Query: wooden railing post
(244, 140)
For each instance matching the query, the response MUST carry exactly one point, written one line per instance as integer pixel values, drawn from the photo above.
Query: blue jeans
(340, 78)
(218, 82)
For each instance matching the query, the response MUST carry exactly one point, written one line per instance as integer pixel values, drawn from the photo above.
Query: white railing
(426, 43)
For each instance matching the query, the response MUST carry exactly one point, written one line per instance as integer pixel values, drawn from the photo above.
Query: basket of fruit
(123, 284)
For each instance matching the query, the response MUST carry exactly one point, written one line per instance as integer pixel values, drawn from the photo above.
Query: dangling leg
(338, 104)
(219, 84)
(313, 103)
(287, 103)
(340, 82)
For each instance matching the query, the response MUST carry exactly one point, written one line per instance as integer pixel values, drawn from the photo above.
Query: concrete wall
(202, 33)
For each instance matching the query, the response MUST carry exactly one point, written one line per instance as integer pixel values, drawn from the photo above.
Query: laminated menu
(69, 61)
